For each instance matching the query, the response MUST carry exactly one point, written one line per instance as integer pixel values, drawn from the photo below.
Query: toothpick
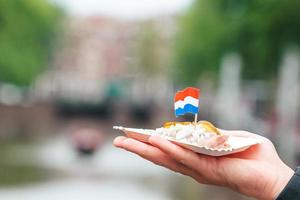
(196, 116)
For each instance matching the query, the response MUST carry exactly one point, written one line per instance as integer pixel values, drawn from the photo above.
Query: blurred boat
(87, 141)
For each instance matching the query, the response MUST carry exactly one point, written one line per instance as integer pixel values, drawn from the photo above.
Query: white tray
(237, 144)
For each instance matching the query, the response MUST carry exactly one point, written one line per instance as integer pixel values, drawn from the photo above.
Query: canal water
(110, 174)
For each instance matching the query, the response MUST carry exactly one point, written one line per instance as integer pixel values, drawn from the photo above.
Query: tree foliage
(27, 30)
(257, 30)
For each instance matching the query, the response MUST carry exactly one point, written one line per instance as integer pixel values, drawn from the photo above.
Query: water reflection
(80, 188)
(109, 174)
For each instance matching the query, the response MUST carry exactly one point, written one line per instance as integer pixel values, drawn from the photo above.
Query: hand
(257, 172)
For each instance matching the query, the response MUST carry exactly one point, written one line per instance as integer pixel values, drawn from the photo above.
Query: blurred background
(71, 69)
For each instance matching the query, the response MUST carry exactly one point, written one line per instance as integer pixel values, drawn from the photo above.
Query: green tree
(27, 30)
(257, 30)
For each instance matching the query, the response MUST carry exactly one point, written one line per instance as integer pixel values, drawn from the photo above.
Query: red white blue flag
(187, 101)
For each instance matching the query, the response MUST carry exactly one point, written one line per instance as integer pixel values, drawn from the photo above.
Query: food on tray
(204, 124)
(202, 133)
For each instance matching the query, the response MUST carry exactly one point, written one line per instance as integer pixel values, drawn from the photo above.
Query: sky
(123, 9)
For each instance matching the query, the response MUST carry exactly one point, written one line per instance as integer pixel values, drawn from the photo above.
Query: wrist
(284, 176)
(291, 191)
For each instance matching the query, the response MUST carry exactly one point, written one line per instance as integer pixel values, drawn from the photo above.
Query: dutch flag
(187, 101)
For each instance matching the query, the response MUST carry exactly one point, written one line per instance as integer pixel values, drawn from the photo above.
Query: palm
(253, 167)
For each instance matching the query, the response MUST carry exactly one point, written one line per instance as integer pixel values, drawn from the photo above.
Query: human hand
(257, 172)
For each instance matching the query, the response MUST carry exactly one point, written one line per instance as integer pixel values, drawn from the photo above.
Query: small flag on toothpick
(187, 101)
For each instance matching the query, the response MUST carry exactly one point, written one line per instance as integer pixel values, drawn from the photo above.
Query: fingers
(217, 141)
(118, 141)
(240, 133)
(154, 155)
(197, 162)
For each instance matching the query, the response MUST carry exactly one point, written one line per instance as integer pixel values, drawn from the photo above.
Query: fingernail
(118, 142)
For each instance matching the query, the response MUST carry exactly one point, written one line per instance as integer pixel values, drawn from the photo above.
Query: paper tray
(237, 144)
